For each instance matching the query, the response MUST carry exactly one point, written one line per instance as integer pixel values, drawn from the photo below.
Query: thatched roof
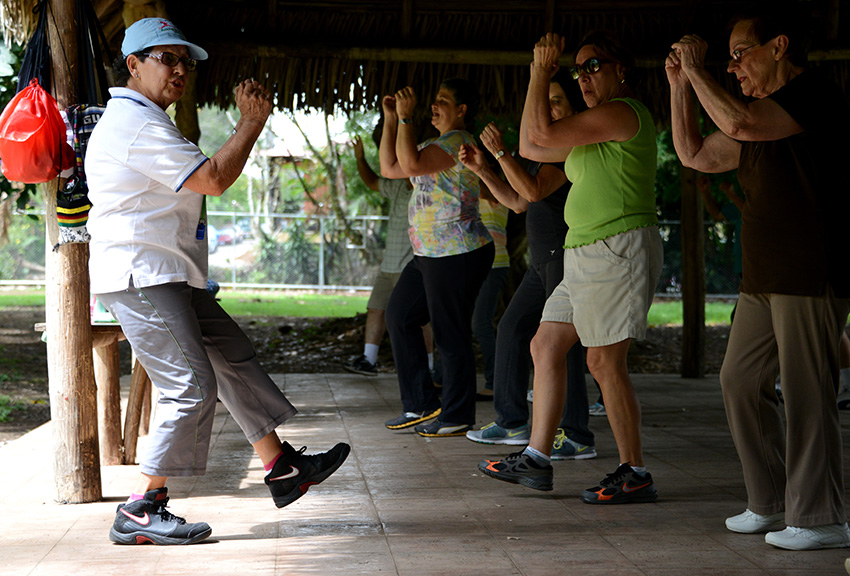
(346, 54)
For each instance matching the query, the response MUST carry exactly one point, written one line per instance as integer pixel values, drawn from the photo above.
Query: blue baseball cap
(149, 32)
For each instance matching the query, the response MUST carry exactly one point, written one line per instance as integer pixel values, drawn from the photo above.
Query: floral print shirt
(443, 209)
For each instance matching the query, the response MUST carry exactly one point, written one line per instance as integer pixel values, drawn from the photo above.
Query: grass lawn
(311, 305)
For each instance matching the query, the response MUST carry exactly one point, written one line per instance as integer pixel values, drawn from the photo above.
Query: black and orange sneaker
(622, 486)
(146, 521)
(519, 468)
(294, 472)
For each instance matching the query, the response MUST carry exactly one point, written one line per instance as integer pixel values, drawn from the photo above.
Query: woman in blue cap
(148, 265)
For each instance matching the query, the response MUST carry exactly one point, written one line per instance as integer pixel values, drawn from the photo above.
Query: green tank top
(613, 185)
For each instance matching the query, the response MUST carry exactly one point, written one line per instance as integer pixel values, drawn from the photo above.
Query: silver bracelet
(405, 121)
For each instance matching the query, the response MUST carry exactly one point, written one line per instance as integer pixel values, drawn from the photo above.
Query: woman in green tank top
(612, 260)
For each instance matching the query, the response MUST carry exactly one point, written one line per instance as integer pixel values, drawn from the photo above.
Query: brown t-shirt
(795, 236)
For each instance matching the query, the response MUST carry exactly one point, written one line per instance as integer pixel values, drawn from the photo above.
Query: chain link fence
(289, 251)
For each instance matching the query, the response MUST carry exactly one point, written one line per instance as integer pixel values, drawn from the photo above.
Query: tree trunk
(73, 395)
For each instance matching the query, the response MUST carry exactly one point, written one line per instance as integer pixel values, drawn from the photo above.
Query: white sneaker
(751, 523)
(815, 538)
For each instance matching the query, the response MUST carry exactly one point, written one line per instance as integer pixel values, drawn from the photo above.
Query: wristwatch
(499, 154)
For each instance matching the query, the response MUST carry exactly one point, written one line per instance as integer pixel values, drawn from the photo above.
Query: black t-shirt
(544, 222)
(794, 236)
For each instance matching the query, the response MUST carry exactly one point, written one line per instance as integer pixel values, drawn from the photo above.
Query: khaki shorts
(381, 290)
(608, 287)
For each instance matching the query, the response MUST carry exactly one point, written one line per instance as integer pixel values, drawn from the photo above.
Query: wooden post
(73, 395)
(107, 372)
(693, 278)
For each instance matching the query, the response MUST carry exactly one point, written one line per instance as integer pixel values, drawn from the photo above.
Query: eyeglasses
(738, 54)
(172, 60)
(590, 66)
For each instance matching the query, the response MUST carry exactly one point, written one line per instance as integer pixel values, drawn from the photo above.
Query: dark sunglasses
(172, 60)
(590, 66)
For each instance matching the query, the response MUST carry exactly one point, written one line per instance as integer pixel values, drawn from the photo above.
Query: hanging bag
(72, 202)
(33, 148)
(36, 63)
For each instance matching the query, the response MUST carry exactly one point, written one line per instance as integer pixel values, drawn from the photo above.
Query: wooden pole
(693, 278)
(70, 370)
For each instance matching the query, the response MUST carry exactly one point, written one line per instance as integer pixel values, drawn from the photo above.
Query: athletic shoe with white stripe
(294, 472)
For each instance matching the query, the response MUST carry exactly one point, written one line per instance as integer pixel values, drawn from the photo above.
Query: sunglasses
(590, 66)
(172, 60)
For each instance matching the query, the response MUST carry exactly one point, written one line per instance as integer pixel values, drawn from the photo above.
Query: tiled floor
(407, 505)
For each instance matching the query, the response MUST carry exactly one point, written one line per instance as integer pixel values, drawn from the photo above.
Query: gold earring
(622, 80)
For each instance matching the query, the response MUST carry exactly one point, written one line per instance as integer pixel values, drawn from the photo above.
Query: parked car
(230, 235)
(212, 239)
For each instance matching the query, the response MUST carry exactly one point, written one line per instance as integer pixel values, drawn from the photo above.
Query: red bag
(33, 147)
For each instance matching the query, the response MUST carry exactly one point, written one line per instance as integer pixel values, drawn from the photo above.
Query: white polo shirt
(143, 222)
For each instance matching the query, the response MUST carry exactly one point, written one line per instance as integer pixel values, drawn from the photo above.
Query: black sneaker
(147, 521)
(295, 472)
(519, 468)
(439, 429)
(361, 365)
(408, 419)
(622, 486)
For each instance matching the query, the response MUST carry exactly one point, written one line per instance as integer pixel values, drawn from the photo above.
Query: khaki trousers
(796, 465)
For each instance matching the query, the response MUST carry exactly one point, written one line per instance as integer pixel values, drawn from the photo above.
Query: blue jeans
(483, 327)
(513, 356)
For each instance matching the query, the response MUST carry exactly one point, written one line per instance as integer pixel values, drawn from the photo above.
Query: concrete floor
(406, 505)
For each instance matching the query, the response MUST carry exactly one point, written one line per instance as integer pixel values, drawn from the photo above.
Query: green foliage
(7, 407)
(293, 304)
(669, 313)
(292, 260)
(9, 298)
(25, 248)
(362, 200)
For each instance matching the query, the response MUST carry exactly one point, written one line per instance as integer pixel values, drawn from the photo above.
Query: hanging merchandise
(33, 148)
(72, 203)
(36, 63)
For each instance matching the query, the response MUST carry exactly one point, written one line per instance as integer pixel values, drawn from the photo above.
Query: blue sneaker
(492, 433)
(565, 449)
(597, 410)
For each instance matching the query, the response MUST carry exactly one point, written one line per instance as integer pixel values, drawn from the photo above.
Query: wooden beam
(549, 16)
(70, 368)
(433, 55)
(693, 278)
(406, 19)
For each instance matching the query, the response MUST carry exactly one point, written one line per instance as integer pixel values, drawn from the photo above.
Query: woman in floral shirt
(453, 253)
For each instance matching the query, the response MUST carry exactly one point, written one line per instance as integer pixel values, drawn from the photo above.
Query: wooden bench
(114, 448)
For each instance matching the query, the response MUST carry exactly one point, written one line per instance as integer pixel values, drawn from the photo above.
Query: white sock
(431, 361)
(639, 470)
(536, 455)
(370, 351)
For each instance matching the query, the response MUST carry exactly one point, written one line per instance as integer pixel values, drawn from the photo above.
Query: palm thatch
(346, 54)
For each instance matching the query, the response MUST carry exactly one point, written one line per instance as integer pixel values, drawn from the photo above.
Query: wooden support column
(73, 395)
(693, 278)
(549, 16)
(107, 373)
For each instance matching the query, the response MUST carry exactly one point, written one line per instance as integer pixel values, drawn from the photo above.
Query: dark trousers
(483, 325)
(441, 291)
(517, 327)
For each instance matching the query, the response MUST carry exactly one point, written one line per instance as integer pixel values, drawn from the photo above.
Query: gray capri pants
(194, 352)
